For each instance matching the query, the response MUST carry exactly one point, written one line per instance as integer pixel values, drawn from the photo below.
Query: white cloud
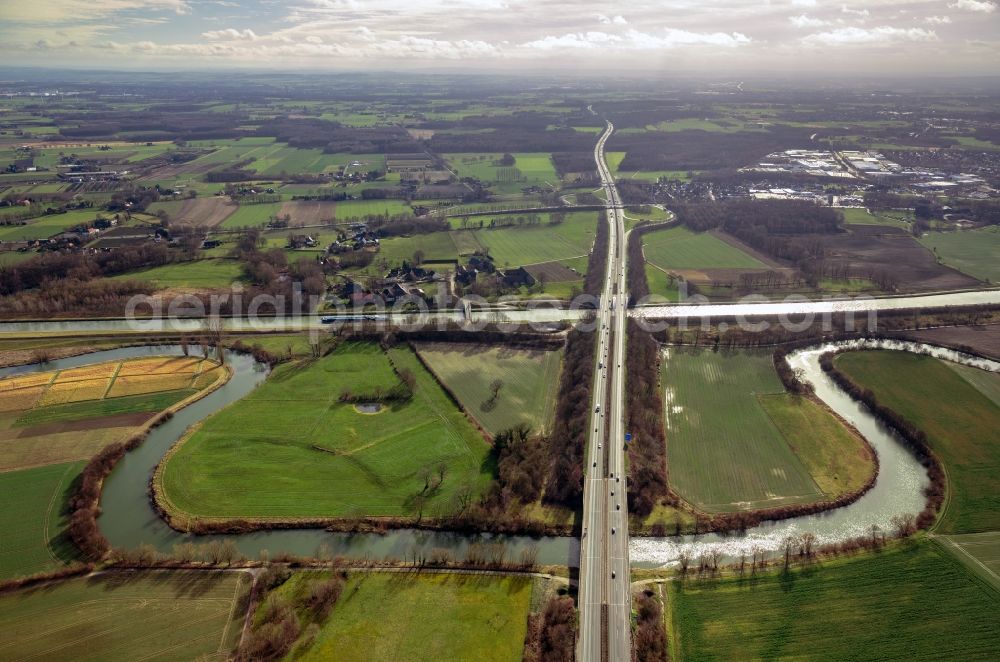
(983, 6)
(803, 3)
(937, 20)
(573, 41)
(879, 36)
(860, 13)
(230, 33)
(804, 21)
(634, 40)
(616, 20)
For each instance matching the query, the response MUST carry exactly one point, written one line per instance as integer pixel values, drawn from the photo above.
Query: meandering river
(128, 520)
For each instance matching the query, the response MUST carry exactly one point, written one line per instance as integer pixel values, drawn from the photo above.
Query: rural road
(604, 600)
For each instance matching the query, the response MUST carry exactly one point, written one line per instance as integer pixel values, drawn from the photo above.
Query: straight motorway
(604, 599)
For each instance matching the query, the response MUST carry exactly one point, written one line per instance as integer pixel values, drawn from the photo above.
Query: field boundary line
(111, 382)
(48, 513)
(959, 548)
(232, 610)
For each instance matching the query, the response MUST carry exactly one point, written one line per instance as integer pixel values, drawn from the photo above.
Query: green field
(961, 423)
(32, 517)
(529, 381)
(662, 286)
(360, 208)
(974, 252)
(252, 215)
(914, 603)
(435, 246)
(680, 248)
(200, 274)
(694, 124)
(10, 258)
(529, 169)
(517, 246)
(292, 449)
(407, 616)
(116, 616)
(738, 442)
(44, 227)
(987, 383)
(859, 216)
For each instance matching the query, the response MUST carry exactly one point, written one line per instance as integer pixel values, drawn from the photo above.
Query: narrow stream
(128, 520)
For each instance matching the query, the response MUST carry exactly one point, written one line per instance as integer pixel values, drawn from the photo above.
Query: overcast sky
(648, 36)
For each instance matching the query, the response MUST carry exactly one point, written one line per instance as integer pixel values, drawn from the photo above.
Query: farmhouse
(515, 277)
(408, 162)
(301, 241)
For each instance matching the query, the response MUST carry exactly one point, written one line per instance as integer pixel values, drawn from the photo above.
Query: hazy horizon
(781, 38)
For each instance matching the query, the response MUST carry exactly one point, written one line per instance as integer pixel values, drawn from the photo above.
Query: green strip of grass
(98, 408)
(836, 459)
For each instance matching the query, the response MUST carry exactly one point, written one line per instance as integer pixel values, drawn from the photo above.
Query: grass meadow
(32, 517)
(960, 420)
(914, 602)
(123, 615)
(970, 251)
(529, 382)
(517, 246)
(292, 449)
(662, 285)
(680, 248)
(252, 215)
(407, 616)
(739, 442)
(44, 227)
(979, 552)
(859, 216)
(529, 169)
(201, 274)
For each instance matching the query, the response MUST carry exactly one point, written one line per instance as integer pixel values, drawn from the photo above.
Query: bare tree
(808, 544)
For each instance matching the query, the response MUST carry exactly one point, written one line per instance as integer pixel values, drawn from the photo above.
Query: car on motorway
(597, 409)
(612, 530)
